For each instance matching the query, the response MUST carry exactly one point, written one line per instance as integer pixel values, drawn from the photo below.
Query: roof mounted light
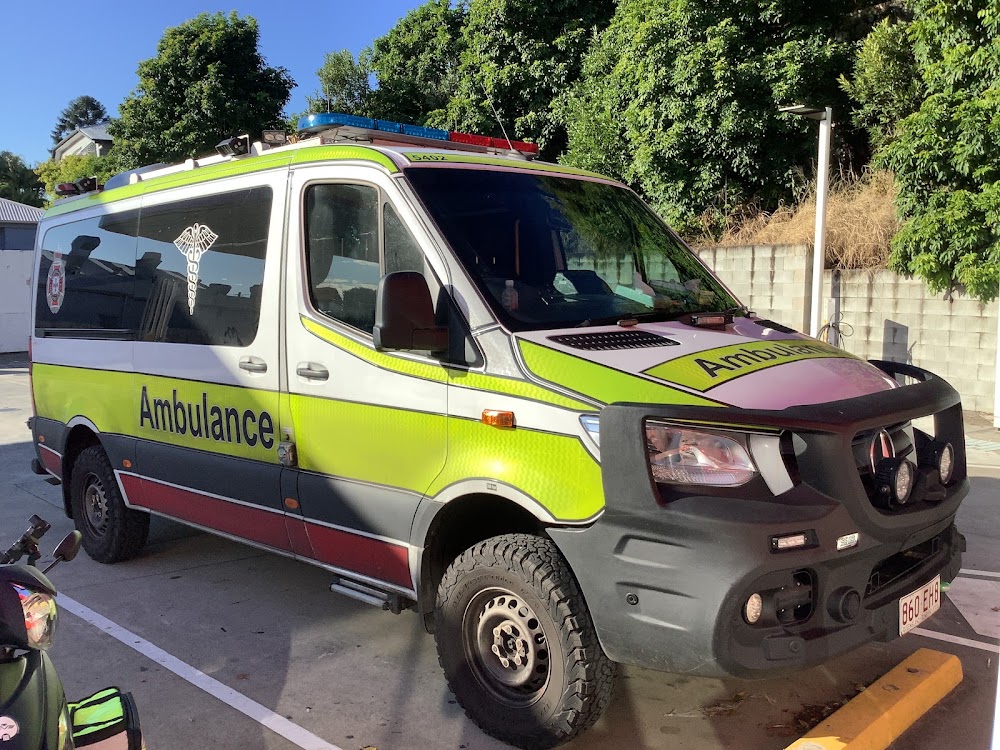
(317, 123)
(274, 138)
(237, 145)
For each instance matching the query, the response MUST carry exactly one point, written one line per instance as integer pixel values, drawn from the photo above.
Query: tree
(82, 112)
(946, 155)
(517, 57)
(680, 98)
(207, 81)
(18, 182)
(343, 85)
(416, 63)
(72, 168)
(885, 84)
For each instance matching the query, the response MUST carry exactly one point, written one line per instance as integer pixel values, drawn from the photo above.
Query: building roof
(12, 212)
(98, 132)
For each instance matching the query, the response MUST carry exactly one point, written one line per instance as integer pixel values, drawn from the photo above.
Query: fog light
(894, 480)
(844, 604)
(753, 608)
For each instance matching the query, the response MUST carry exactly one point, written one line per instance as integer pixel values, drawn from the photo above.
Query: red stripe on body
(374, 558)
(51, 460)
(232, 518)
(383, 561)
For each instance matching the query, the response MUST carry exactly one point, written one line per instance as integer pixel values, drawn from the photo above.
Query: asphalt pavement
(226, 646)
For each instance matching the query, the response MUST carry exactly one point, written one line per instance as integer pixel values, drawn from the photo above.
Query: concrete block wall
(884, 316)
(898, 319)
(772, 279)
(15, 299)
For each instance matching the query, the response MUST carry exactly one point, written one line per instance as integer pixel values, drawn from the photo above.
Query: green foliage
(416, 63)
(521, 55)
(885, 84)
(680, 98)
(72, 168)
(946, 155)
(79, 113)
(207, 81)
(343, 85)
(18, 182)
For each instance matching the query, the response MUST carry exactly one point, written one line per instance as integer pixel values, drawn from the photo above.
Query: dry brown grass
(860, 220)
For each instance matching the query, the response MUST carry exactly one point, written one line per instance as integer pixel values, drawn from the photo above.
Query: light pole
(825, 117)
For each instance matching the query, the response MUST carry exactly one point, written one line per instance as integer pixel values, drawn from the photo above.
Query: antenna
(496, 115)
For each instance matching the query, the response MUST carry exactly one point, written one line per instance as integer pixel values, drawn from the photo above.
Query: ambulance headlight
(40, 616)
(682, 456)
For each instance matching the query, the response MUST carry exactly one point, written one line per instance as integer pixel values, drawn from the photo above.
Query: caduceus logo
(193, 243)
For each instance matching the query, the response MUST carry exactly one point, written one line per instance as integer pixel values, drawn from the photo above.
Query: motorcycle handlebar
(28, 543)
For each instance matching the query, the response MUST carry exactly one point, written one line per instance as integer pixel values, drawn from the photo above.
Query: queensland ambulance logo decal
(707, 369)
(194, 242)
(8, 728)
(55, 283)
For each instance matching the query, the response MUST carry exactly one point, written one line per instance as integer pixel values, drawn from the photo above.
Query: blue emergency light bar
(318, 122)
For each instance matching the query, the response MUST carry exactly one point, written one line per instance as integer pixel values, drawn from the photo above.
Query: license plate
(916, 607)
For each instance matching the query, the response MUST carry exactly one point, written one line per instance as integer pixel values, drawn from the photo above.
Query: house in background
(18, 225)
(91, 140)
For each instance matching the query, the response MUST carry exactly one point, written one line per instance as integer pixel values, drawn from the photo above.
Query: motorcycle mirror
(68, 548)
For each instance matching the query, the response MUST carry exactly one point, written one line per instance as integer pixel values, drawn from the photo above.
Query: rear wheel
(111, 531)
(517, 643)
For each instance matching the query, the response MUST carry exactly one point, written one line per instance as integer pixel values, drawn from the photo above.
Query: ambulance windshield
(553, 252)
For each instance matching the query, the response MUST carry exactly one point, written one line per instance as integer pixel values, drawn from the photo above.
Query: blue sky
(56, 51)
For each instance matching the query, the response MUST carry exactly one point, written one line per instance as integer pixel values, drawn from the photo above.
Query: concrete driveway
(268, 658)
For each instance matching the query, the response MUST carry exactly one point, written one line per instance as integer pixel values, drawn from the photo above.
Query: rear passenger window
(342, 248)
(86, 277)
(200, 269)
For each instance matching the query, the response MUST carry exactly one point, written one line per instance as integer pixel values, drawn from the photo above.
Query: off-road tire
(121, 533)
(580, 676)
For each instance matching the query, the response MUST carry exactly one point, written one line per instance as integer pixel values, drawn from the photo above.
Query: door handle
(312, 371)
(253, 364)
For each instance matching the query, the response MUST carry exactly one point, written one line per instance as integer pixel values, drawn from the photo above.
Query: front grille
(903, 563)
(610, 340)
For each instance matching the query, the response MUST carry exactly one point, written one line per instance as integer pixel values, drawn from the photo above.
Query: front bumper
(666, 581)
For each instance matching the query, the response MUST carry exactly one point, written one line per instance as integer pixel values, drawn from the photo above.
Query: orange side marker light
(291, 503)
(126, 463)
(496, 418)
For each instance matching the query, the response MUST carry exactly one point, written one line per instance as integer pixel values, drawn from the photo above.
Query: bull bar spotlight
(939, 455)
(894, 481)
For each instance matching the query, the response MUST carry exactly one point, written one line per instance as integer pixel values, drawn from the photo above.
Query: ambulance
(499, 392)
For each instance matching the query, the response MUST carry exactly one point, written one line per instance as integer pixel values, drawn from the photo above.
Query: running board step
(386, 600)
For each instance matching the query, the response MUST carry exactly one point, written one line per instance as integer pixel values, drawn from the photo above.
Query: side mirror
(68, 548)
(404, 315)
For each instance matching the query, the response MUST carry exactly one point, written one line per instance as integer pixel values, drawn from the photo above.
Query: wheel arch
(81, 434)
(442, 530)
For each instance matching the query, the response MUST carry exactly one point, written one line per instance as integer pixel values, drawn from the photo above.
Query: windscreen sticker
(707, 369)
(55, 283)
(193, 243)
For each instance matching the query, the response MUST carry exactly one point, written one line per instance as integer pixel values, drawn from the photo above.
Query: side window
(401, 251)
(86, 277)
(342, 250)
(200, 269)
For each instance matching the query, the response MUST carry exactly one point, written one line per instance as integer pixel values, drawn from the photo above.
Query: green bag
(106, 720)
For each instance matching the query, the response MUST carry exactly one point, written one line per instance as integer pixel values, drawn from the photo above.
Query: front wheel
(111, 531)
(517, 643)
